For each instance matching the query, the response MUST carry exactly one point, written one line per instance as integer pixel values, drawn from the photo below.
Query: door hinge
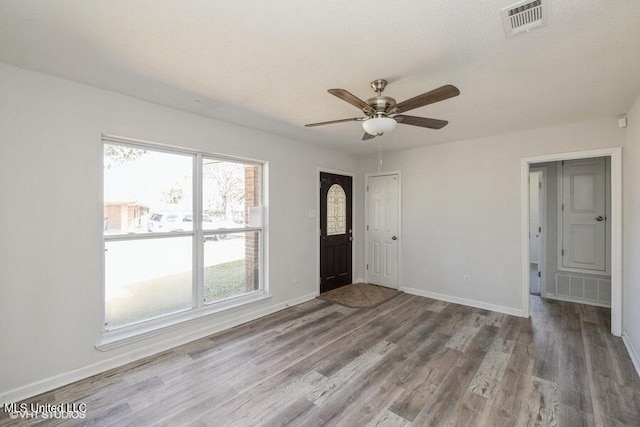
(367, 228)
(367, 266)
(367, 188)
(539, 185)
(563, 207)
(562, 252)
(539, 229)
(539, 274)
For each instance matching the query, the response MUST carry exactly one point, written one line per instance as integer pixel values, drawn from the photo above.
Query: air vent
(524, 16)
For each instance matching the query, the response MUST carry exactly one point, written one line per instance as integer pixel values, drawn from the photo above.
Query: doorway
(336, 230)
(382, 230)
(568, 282)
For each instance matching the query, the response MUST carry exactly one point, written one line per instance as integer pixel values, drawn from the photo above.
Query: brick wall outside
(118, 216)
(252, 244)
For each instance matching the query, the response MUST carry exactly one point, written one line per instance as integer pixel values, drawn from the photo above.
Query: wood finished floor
(409, 361)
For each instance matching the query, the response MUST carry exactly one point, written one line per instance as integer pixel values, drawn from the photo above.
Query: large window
(182, 231)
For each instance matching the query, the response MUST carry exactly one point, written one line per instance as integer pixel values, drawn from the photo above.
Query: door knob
(394, 238)
(599, 218)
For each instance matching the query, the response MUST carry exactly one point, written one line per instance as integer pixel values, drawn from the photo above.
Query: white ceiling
(268, 64)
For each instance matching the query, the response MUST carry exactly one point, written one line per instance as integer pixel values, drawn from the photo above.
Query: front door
(383, 204)
(335, 231)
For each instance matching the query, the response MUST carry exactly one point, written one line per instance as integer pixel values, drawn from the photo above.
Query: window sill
(135, 333)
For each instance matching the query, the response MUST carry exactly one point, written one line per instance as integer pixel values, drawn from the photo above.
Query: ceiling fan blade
(421, 121)
(367, 136)
(351, 99)
(355, 119)
(436, 95)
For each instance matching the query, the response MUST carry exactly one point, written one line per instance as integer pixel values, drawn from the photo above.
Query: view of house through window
(336, 211)
(152, 266)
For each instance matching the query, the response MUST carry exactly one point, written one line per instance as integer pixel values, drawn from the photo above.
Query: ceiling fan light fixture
(378, 125)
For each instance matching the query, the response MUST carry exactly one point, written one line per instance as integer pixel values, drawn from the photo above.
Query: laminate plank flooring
(409, 361)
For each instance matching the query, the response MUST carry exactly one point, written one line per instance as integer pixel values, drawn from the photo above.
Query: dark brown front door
(335, 231)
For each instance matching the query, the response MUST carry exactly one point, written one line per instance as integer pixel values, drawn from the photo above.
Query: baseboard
(633, 354)
(463, 301)
(66, 378)
(359, 280)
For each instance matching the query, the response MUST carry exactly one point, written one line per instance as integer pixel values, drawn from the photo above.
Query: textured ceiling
(268, 64)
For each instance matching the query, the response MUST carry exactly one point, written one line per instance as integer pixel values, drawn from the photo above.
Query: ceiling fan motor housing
(381, 104)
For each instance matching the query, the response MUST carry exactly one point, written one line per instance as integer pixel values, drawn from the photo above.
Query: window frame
(122, 335)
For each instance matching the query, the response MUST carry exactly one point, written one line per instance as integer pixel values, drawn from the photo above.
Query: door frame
(615, 154)
(366, 221)
(319, 218)
(542, 207)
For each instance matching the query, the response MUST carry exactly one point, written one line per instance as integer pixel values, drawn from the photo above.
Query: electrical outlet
(467, 278)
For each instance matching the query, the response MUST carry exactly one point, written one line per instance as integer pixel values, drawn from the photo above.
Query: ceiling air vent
(524, 16)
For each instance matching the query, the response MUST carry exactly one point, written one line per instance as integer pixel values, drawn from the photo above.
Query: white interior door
(383, 202)
(584, 214)
(535, 226)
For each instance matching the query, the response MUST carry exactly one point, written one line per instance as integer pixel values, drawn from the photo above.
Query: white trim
(616, 225)
(171, 148)
(616, 242)
(524, 240)
(264, 253)
(165, 323)
(463, 301)
(197, 256)
(99, 234)
(319, 216)
(204, 330)
(633, 353)
(398, 173)
(602, 152)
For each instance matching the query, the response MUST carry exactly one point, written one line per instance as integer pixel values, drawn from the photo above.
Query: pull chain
(379, 154)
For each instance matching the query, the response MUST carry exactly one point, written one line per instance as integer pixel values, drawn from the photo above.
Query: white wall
(631, 235)
(51, 220)
(461, 208)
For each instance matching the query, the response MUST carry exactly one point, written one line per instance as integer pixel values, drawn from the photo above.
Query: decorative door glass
(336, 211)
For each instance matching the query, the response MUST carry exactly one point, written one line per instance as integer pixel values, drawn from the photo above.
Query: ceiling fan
(382, 113)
